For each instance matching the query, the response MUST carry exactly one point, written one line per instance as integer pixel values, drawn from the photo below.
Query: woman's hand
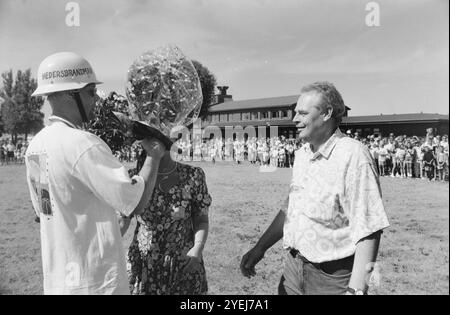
(194, 257)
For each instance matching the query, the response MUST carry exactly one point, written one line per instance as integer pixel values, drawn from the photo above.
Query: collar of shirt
(54, 118)
(326, 149)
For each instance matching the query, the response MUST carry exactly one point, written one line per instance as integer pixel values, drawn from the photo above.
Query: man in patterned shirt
(332, 223)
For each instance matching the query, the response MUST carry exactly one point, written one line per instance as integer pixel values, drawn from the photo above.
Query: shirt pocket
(326, 210)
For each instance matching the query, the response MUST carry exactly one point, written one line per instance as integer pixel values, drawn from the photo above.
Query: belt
(335, 267)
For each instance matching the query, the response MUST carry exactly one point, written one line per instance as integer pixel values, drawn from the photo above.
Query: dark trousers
(429, 167)
(377, 166)
(417, 170)
(301, 277)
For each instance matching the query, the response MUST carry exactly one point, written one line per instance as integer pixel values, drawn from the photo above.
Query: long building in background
(279, 111)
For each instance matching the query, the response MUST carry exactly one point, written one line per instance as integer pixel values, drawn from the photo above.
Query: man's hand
(272, 235)
(154, 147)
(194, 257)
(250, 260)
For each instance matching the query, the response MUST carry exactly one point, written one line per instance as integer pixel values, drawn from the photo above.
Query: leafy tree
(20, 112)
(2, 100)
(208, 83)
(105, 126)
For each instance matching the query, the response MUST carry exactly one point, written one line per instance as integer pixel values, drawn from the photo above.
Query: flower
(144, 240)
(178, 213)
(207, 199)
(186, 192)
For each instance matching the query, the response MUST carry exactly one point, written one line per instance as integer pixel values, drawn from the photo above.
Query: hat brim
(142, 129)
(58, 87)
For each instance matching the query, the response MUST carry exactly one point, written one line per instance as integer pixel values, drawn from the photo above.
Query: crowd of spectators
(275, 151)
(11, 153)
(396, 156)
(409, 156)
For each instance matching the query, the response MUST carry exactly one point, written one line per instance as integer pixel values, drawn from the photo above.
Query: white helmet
(64, 71)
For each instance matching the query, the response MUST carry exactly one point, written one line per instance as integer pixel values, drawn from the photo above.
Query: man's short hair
(331, 98)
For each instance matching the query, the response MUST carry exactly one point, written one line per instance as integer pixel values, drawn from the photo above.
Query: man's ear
(328, 113)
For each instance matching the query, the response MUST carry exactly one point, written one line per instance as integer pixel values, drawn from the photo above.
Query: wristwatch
(355, 291)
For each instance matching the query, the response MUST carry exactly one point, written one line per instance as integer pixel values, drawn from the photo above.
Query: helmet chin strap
(76, 96)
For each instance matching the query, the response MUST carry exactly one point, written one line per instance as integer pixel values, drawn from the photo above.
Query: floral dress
(163, 236)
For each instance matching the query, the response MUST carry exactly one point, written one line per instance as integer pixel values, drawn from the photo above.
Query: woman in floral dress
(165, 256)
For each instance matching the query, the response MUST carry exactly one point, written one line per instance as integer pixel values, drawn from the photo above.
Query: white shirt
(76, 185)
(390, 147)
(444, 144)
(334, 201)
(10, 147)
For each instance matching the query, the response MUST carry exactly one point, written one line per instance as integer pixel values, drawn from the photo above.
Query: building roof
(255, 123)
(259, 103)
(395, 118)
(346, 121)
(281, 101)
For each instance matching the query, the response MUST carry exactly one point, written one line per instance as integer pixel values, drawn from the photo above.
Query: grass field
(413, 256)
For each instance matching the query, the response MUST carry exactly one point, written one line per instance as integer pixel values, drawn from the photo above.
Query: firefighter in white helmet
(77, 186)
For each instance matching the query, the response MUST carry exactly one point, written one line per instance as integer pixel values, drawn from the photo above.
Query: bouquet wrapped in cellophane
(164, 91)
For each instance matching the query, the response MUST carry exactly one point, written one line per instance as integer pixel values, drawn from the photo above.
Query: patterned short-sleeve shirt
(334, 200)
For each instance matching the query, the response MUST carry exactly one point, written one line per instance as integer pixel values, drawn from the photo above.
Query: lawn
(413, 257)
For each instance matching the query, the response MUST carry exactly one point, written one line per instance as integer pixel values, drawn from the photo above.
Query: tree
(105, 126)
(2, 100)
(20, 112)
(208, 83)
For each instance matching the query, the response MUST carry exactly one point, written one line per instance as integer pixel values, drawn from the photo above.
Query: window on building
(265, 115)
(291, 134)
(245, 116)
(254, 116)
(215, 118)
(275, 114)
(236, 116)
(284, 114)
(223, 117)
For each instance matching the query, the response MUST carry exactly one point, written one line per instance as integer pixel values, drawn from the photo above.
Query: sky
(259, 48)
